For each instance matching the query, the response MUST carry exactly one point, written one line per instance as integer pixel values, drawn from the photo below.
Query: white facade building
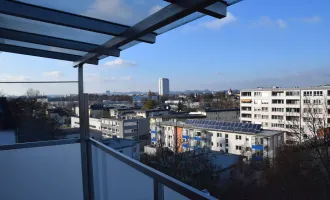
(285, 109)
(164, 86)
(94, 123)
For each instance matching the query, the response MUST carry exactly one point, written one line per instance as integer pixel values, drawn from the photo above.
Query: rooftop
(221, 109)
(322, 87)
(184, 116)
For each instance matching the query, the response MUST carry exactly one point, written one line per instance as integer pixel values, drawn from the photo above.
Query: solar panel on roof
(249, 126)
(230, 128)
(244, 130)
(212, 122)
(224, 123)
(232, 124)
(254, 126)
(258, 127)
(240, 125)
(236, 124)
(237, 129)
(217, 127)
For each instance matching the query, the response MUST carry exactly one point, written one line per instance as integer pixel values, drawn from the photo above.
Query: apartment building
(94, 123)
(285, 109)
(222, 114)
(229, 137)
(125, 128)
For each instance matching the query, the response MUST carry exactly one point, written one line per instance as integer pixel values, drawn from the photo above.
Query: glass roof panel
(126, 12)
(37, 27)
(41, 47)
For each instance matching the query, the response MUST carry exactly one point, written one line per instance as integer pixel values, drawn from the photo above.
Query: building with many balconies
(285, 109)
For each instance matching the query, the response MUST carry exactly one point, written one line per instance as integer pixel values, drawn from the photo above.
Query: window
(257, 116)
(226, 150)
(318, 93)
(264, 101)
(220, 145)
(307, 101)
(257, 94)
(277, 109)
(92, 126)
(277, 125)
(211, 143)
(226, 135)
(238, 137)
(317, 101)
(308, 94)
(217, 144)
(246, 94)
(280, 117)
(292, 101)
(292, 93)
(307, 110)
(247, 139)
(296, 110)
(219, 134)
(265, 109)
(317, 110)
(257, 109)
(238, 147)
(277, 101)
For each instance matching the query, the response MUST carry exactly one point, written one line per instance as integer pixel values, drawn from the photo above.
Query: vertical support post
(158, 190)
(84, 134)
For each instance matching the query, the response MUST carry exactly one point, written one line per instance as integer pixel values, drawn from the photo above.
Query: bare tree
(32, 93)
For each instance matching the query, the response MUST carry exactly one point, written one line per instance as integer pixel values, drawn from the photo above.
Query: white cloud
(120, 63)
(266, 21)
(113, 10)
(14, 78)
(314, 19)
(54, 74)
(154, 9)
(92, 77)
(281, 23)
(219, 23)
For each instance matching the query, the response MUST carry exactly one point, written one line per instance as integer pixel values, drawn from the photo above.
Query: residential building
(94, 123)
(222, 114)
(285, 109)
(120, 112)
(229, 137)
(174, 117)
(164, 86)
(130, 148)
(136, 129)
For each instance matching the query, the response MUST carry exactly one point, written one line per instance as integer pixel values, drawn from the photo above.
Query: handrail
(157, 176)
(38, 144)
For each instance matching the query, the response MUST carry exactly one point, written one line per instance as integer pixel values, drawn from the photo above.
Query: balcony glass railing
(52, 170)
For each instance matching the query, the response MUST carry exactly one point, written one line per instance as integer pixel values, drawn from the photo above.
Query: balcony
(53, 170)
(185, 136)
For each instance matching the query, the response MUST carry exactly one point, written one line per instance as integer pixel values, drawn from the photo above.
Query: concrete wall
(50, 172)
(93, 123)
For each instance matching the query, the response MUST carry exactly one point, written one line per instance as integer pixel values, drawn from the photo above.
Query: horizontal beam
(42, 53)
(53, 16)
(38, 82)
(38, 144)
(217, 10)
(163, 17)
(53, 41)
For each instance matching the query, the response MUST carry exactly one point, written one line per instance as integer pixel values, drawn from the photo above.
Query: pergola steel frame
(143, 31)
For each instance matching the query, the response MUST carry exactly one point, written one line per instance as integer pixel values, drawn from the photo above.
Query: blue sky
(259, 43)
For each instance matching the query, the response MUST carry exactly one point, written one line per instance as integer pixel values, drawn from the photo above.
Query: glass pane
(52, 169)
(32, 26)
(170, 194)
(126, 12)
(42, 47)
(114, 179)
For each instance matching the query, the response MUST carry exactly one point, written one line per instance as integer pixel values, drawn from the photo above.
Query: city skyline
(290, 48)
